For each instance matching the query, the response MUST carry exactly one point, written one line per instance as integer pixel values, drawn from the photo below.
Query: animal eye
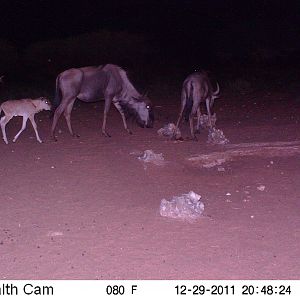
(147, 106)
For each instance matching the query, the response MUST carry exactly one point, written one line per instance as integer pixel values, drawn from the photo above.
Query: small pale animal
(26, 108)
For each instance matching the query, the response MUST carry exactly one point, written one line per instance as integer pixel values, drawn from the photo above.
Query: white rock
(261, 187)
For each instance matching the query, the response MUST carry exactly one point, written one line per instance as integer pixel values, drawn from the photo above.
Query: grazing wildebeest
(196, 88)
(89, 84)
(26, 108)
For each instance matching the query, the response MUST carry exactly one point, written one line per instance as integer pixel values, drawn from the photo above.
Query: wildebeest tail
(57, 97)
(189, 102)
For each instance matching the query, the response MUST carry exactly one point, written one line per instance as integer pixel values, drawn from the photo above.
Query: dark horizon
(269, 23)
(188, 33)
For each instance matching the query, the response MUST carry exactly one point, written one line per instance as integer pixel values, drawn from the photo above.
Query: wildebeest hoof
(197, 131)
(106, 134)
(76, 135)
(176, 138)
(129, 131)
(193, 138)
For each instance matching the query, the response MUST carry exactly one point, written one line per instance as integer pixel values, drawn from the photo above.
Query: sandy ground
(87, 208)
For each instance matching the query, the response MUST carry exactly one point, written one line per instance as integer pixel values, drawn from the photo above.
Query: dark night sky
(23, 22)
(178, 27)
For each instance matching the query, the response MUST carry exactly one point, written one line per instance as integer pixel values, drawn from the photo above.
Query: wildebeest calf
(196, 88)
(26, 108)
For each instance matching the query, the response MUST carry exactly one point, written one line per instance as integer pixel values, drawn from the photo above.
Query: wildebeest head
(139, 108)
(145, 115)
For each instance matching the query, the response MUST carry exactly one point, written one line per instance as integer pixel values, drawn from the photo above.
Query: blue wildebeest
(89, 84)
(196, 88)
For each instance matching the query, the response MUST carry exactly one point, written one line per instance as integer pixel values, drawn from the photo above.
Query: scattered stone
(54, 233)
(150, 157)
(204, 122)
(261, 187)
(169, 130)
(217, 162)
(186, 207)
(216, 137)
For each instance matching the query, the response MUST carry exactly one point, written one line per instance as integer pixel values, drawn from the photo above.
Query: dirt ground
(87, 208)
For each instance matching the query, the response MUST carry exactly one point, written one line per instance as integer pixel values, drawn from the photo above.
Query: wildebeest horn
(217, 91)
(1, 78)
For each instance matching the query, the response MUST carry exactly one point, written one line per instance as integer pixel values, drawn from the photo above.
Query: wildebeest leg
(191, 119)
(4, 120)
(179, 120)
(198, 120)
(67, 114)
(208, 112)
(183, 103)
(107, 104)
(57, 114)
(31, 118)
(23, 127)
(117, 105)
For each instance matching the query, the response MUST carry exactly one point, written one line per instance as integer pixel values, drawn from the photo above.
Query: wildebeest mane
(129, 111)
(120, 75)
(129, 95)
(128, 88)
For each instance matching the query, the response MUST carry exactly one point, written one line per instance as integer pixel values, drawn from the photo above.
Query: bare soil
(87, 208)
